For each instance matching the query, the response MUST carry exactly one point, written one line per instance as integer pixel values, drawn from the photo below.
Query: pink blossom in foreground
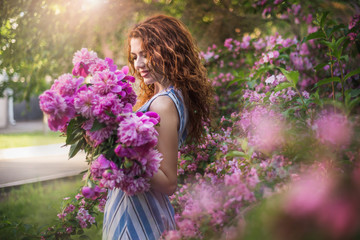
(330, 201)
(308, 194)
(264, 128)
(172, 235)
(333, 129)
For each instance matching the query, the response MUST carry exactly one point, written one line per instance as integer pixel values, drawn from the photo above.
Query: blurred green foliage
(39, 37)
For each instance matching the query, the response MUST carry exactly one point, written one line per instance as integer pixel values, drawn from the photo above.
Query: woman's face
(140, 62)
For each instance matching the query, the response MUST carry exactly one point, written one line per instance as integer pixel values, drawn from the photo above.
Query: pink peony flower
(107, 108)
(137, 131)
(100, 65)
(66, 85)
(99, 136)
(56, 107)
(99, 166)
(105, 82)
(85, 101)
(82, 61)
(88, 192)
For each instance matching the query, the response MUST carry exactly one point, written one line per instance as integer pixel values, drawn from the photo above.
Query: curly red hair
(172, 52)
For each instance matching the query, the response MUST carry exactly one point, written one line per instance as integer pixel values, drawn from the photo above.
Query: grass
(29, 139)
(39, 203)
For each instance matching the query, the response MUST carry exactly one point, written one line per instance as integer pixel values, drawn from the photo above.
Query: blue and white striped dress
(145, 215)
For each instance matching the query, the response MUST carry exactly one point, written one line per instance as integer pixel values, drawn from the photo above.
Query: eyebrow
(141, 52)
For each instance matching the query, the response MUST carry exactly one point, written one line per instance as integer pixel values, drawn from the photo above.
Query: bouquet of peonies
(93, 108)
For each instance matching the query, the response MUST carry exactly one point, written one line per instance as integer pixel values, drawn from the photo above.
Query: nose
(139, 62)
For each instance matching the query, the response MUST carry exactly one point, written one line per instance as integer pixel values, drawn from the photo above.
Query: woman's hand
(165, 180)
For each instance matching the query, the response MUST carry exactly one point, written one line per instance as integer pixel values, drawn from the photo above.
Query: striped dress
(146, 215)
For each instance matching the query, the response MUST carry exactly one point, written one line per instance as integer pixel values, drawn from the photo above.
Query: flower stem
(342, 81)
(302, 99)
(332, 75)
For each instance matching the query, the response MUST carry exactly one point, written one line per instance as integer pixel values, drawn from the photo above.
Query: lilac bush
(285, 135)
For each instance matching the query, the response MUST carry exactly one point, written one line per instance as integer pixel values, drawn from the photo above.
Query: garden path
(37, 163)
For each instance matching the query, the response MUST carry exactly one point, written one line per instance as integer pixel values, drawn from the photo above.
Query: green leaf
(314, 35)
(237, 92)
(323, 18)
(344, 58)
(286, 48)
(352, 73)
(74, 136)
(292, 76)
(288, 112)
(316, 98)
(282, 86)
(84, 237)
(244, 144)
(236, 154)
(347, 96)
(326, 81)
(110, 114)
(353, 103)
(75, 148)
(320, 66)
(97, 126)
(328, 44)
(284, 56)
(336, 28)
(339, 41)
(355, 92)
(236, 80)
(70, 131)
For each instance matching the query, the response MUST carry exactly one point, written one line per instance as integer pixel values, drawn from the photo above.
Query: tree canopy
(39, 37)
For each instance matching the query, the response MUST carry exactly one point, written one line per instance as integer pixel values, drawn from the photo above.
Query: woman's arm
(165, 180)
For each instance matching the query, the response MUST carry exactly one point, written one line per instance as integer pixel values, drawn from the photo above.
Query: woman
(164, 57)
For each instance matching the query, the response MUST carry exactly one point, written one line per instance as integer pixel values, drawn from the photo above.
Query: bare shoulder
(163, 105)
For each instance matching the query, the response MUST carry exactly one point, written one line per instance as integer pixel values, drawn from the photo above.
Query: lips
(144, 73)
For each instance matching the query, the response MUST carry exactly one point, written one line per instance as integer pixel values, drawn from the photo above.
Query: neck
(158, 87)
